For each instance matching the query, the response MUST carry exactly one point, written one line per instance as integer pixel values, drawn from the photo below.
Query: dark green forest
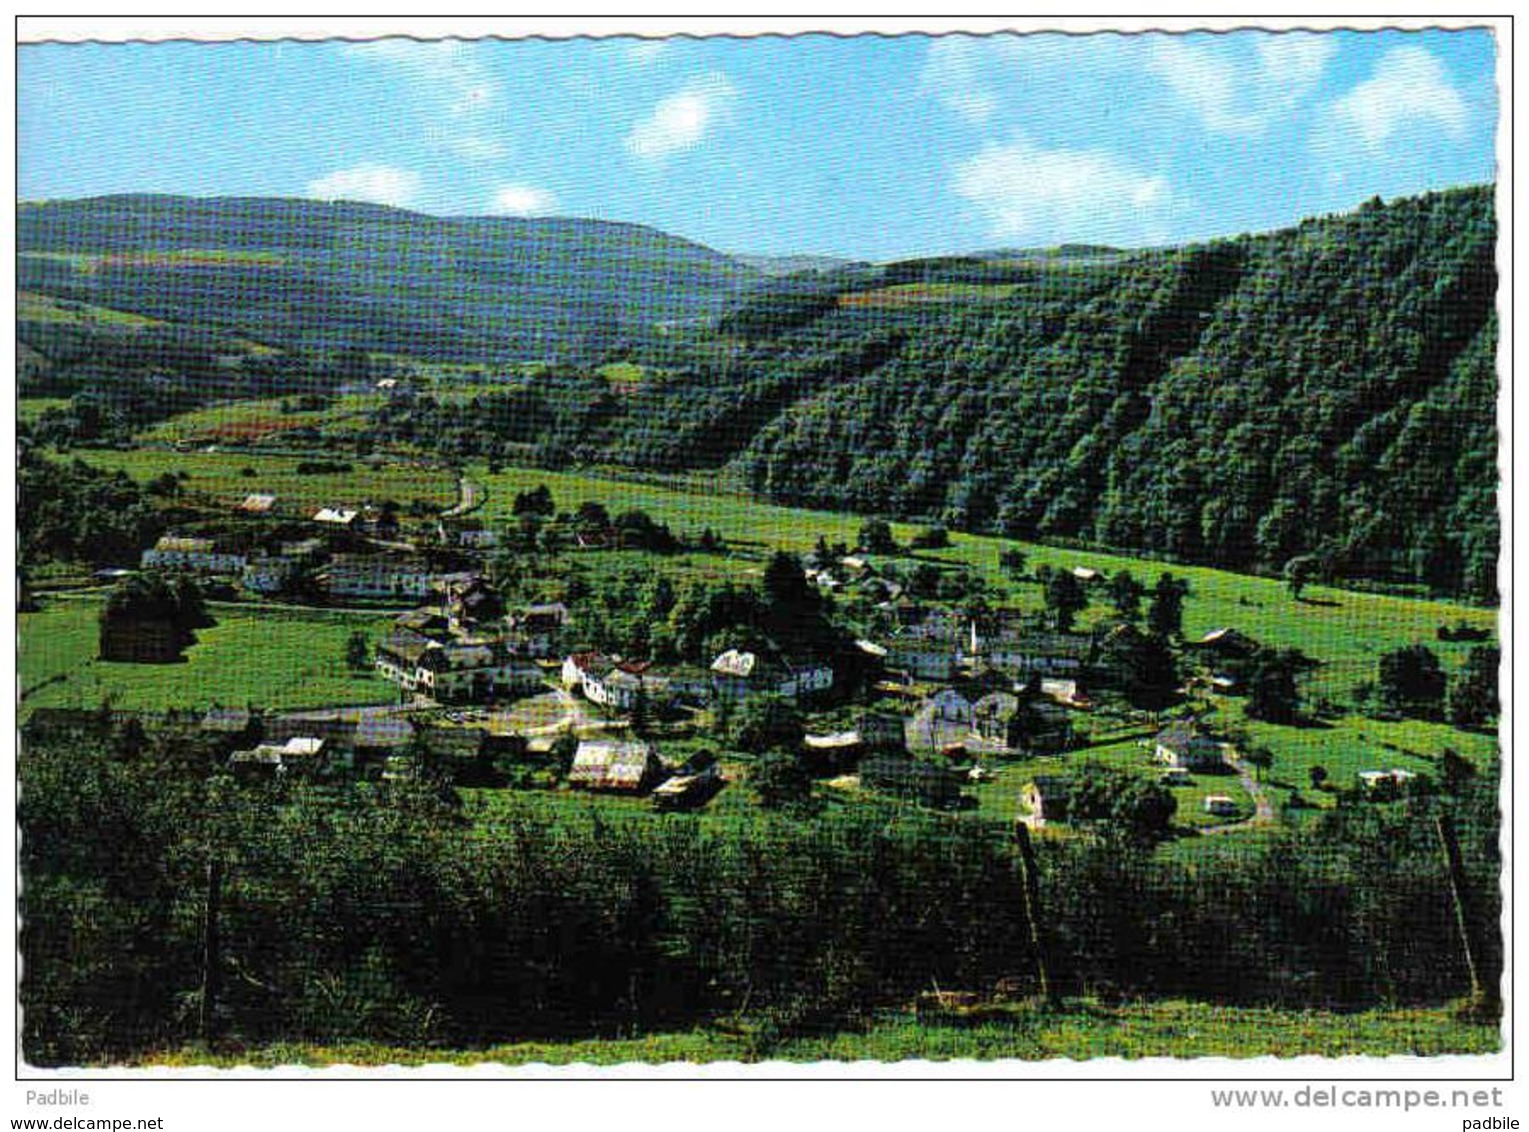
(1324, 391)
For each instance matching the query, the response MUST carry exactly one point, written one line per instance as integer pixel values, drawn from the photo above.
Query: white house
(1181, 745)
(267, 574)
(378, 576)
(194, 554)
(738, 673)
(1029, 653)
(336, 516)
(453, 672)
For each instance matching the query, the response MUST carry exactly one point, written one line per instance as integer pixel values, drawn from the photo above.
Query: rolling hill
(331, 275)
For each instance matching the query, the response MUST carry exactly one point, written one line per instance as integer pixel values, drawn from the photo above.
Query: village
(941, 697)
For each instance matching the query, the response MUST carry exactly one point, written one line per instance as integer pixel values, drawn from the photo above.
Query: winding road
(1263, 805)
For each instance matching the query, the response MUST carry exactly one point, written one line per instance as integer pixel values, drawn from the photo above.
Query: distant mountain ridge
(329, 275)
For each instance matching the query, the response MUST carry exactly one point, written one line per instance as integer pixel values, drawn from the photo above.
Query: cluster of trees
(1128, 810)
(385, 914)
(540, 528)
(1413, 682)
(640, 613)
(71, 512)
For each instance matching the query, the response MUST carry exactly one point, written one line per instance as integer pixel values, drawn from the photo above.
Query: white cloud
(450, 72)
(1053, 195)
(453, 86)
(1409, 87)
(475, 147)
(646, 52)
(522, 200)
(953, 73)
(680, 121)
(1234, 94)
(379, 184)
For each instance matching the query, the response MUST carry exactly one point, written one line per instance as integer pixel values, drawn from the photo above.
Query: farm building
(738, 674)
(382, 577)
(397, 658)
(299, 754)
(1047, 799)
(426, 622)
(538, 629)
(473, 602)
(194, 554)
(230, 726)
(1022, 654)
(691, 786)
(932, 650)
(1220, 805)
(336, 516)
(1226, 642)
(258, 503)
(630, 767)
(267, 574)
(472, 673)
(1182, 745)
(1384, 784)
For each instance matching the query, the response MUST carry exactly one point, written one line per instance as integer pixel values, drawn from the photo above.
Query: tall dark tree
(1473, 697)
(1298, 572)
(1126, 594)
(1012, 561)
(1273, 690)
(1121, 805)
(876, 537)
(1065, 598)
(1165, 614)
(1143, 666)
(779, 780)
(537, 501)
(358, 652)
(1412, 681)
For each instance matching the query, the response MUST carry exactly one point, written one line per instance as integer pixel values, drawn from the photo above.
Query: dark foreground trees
(381, 913)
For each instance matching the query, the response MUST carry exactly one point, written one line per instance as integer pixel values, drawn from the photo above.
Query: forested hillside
(1328, 390)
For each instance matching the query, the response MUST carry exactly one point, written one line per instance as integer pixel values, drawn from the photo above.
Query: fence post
(211, 959)
(1033, 916)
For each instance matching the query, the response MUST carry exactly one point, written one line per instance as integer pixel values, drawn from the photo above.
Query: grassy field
(221, 476)
(247, 420)
(28, 409)
(269, 657)
(1078, 1030)
(901, 295)
(32, 307)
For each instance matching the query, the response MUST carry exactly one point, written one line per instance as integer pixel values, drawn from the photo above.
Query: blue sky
(868, 147)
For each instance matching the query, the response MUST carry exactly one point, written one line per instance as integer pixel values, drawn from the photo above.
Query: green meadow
(221, 475)
(262, 417)
(1077, 1030)
(262, 655)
